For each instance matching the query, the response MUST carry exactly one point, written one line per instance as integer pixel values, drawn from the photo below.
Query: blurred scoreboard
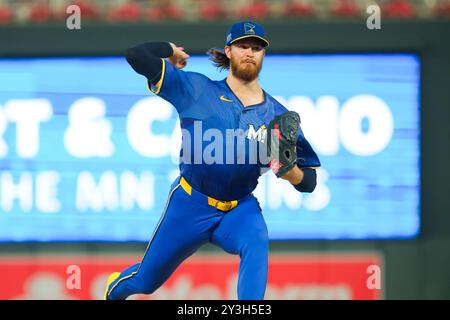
(87, 153)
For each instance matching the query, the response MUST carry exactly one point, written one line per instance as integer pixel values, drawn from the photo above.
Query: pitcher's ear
(227, 50)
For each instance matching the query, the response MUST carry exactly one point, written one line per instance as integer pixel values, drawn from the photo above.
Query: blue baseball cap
(246, 29)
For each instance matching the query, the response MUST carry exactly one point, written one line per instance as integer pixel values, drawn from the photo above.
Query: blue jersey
(205, 105)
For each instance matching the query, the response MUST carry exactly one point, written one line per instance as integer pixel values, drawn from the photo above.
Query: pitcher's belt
(220, 205)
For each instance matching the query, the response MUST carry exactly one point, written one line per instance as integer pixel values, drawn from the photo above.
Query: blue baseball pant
(186, 224)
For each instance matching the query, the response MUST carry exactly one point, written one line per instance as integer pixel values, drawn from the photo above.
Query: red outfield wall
(291, 276)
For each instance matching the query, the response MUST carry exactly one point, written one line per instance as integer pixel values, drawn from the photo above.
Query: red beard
(245, 71)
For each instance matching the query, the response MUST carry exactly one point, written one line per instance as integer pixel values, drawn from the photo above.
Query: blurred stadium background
(82, 187)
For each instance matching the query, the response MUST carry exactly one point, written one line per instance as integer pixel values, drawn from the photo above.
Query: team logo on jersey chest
(259, 135)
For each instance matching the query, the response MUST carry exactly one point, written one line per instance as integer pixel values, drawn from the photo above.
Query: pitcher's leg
(177, 236)
(243, 231)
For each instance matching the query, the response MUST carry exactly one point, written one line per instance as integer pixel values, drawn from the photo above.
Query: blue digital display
(87, 153)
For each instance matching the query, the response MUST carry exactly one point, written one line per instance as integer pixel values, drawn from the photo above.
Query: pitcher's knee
(256, 242)
(148, 289)
(147, 286)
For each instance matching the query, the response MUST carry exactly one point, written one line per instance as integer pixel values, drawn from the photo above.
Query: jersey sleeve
(306, 156)
(176, 86)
